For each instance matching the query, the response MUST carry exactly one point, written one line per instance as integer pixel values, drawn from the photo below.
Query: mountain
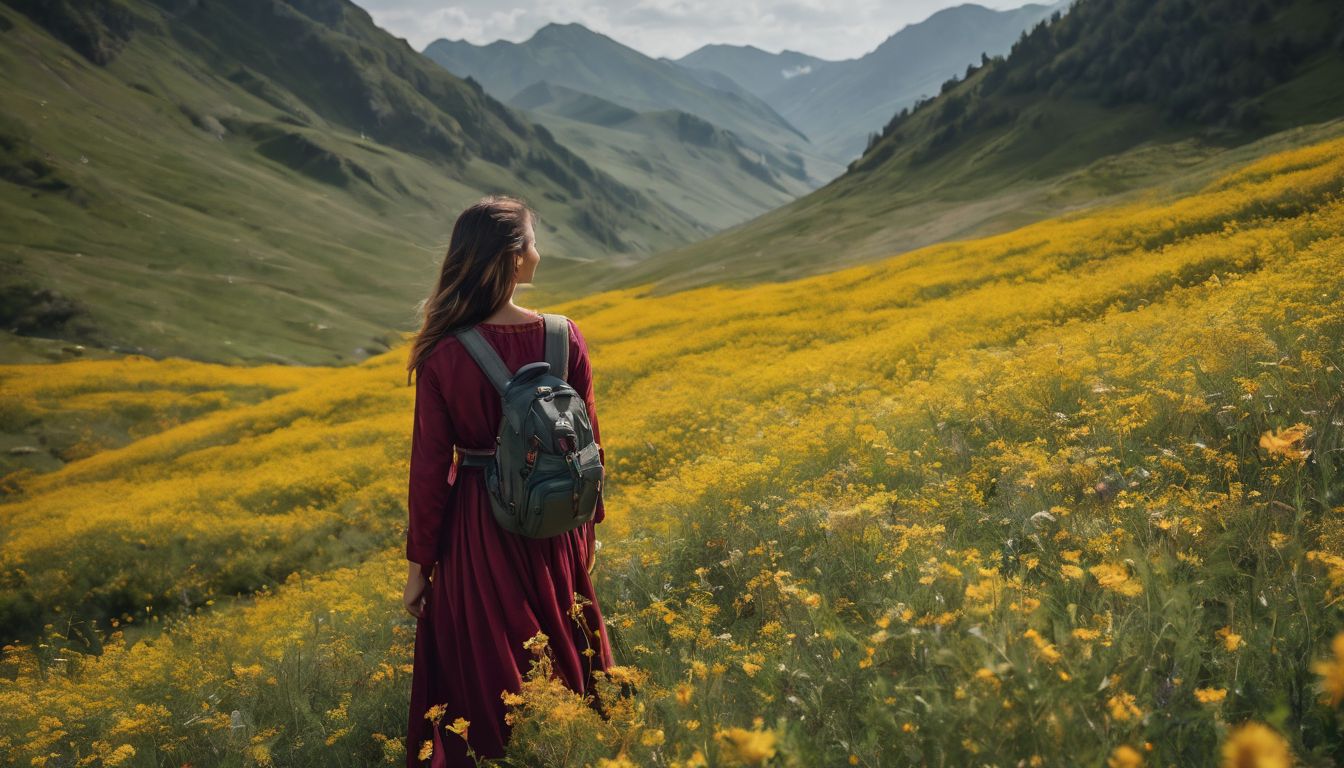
(1113, 98)
(867, 91)
(686, 163)
(759, 72)
(259, 179)
(575, 57)
(569, 103)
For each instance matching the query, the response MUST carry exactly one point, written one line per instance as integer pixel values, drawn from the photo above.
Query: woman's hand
(591, 536)
(413, 597)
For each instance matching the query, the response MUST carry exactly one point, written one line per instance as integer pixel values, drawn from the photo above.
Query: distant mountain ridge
(575, 57)
(868, 89)
(758, 71)
(677, 158)
(576, 105)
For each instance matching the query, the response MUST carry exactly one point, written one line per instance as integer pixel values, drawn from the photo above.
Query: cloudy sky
(831, 29)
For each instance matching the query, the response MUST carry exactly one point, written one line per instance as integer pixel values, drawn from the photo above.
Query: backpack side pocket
(588, 487)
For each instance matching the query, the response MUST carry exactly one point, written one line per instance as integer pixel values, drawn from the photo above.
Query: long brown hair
(477, 274)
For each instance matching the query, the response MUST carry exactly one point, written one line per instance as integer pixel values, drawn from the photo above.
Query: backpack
(544, 475)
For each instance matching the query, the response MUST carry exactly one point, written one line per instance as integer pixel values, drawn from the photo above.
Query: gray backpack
(544, 475)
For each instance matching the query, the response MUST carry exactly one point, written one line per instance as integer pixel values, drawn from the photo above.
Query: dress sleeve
(430, 495)
(581, 379)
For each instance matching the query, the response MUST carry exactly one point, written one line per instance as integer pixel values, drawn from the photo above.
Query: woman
(478, 591)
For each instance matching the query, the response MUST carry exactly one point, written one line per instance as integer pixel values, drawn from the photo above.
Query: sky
(830, 29)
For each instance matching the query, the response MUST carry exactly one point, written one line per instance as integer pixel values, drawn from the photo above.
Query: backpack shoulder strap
(485, 356)
(557, 344)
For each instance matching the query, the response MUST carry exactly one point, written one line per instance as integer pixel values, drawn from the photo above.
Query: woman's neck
(511, 313)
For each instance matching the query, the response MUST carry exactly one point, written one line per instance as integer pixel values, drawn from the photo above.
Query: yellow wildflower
(1231, 640)
(1287, 442)
(511, 699)
(1256, 745)
(1122, 707)
(1115, 577)
(120, 755)
(1210, 695)
(1124, 756)
(747, 747)
(1046, 649)
(536, 643)
(1331, 671)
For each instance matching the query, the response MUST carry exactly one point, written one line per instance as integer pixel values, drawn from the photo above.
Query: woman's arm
(429, 496)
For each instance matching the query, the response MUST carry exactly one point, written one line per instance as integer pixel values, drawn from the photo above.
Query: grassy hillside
(1095, 106)
(258, 181)
(1060, 496)
(1252, 74)
(686, 163)
(575, 57)
(47, 422)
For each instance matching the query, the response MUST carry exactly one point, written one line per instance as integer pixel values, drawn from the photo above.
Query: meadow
(1069, 495)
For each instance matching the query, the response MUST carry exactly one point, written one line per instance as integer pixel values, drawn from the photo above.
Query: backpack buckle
(572, 460)
(468, 457)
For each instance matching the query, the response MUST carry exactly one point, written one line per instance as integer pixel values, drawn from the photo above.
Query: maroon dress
(493, 589)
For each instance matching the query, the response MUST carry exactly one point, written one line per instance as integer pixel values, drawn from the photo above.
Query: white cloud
(830, 29)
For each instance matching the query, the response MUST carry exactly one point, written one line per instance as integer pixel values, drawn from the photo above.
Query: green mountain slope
(687, 164)
(1113, 98)
(257, 180)
(575, 57)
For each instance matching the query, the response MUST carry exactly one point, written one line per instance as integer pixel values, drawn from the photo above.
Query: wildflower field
(1071, 495)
